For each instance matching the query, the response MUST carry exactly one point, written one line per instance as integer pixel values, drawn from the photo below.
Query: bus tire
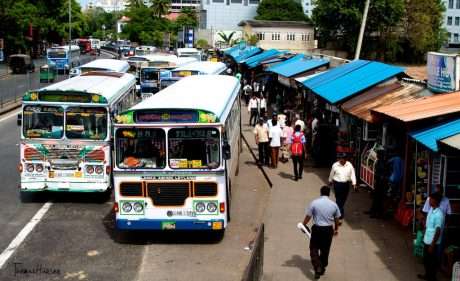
(218, 235)
(26, 197)
(106, 195)
(229, 196)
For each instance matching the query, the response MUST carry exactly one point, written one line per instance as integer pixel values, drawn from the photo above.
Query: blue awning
(246, 53)
(256, 60)
(349, 79)
(297, 65)
(429, 137)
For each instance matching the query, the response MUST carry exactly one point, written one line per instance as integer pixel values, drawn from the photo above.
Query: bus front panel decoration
(173, 166)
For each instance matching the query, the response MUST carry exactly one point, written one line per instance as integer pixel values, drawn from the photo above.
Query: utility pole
(361, 31)
(70, 35)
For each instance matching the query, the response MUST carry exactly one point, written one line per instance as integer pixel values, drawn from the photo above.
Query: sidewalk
(365, 249)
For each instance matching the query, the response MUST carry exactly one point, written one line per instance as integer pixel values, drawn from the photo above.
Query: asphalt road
(76, 239)
(13, 86)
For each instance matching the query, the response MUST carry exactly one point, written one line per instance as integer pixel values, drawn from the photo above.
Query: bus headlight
(39, 168)
(138, 207)
(89, 169)
(126, 207)
(211, 207)
(99, 170)
(200, 207)
(30, 168)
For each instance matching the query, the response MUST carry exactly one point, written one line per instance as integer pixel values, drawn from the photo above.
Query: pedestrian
(300, 122)
(253, 110)
(380, 183)
(297, 151)
(275, 134)
(261, 136)
(263, 105)
(342, 173)
(325, 214)
(287, 140)
(274, 118)
(247, 90)
(432, 238)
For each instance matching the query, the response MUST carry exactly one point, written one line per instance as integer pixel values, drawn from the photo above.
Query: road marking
(15, 113)
(9, 251)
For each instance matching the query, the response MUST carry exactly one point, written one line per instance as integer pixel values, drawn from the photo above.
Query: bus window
(86, 123)
(43, 122)
(141, 148)
(195, 148)
(57, 54)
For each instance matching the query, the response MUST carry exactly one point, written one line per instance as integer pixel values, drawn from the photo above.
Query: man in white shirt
(342, 173)
(253, 108)
(263, 106)
(247, 90)
(275, 133)
(325, 214)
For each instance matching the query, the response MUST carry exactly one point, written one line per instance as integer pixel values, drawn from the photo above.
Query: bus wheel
(106, 195)
(218, 235)
(26, 197)
(229, 195)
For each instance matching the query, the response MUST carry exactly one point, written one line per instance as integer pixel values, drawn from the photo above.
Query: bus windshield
(194, 148)
(141, 148)
(43, 122)
(57, 54)
(149, 74)
(86, 123)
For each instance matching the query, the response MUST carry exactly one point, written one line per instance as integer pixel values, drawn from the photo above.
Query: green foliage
(280, 10)
(144, 27)
(202, 44)
(160, 7)
(227, 39)
(251, 39)
(96, 19)
(187, 17)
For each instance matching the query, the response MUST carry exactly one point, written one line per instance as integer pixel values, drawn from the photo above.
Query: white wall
(220, 16)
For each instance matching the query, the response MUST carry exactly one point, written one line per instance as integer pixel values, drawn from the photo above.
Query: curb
(10, 107)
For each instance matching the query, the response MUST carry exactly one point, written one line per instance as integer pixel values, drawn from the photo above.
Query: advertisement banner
(442, 72)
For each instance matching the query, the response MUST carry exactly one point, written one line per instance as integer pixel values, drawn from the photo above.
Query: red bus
(85, 45)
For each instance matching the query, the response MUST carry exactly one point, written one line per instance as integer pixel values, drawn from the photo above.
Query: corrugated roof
(254, 61)
(429, 137)
(453, 141)
(349, 79)
(274, 23)
(246, 53)
(297, 65)
(427, 107)
(361, 105)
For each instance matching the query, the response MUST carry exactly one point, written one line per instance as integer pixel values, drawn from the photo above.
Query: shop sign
(443, 71)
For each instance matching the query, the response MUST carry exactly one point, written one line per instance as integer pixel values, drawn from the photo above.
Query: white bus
(194, 68)
(101, 65)
(66, 132)
(95, 46)
(151, 74)
(176, 155)
(63, 57)
(189, 52)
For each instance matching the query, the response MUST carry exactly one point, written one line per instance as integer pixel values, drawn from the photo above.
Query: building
(308, 6)
(177, 5)
(293, 36)
(452, 21)
(108, 5)
(226, 14)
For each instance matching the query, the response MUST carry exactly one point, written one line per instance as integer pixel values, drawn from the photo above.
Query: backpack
(297, 146)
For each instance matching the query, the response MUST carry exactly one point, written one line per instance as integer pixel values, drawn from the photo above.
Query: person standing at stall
(342, 173)
(261, 137)
(297, 151)
(275, 135)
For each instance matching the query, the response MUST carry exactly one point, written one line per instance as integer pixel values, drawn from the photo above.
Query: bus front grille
(168, 194)
(205, 189)
(131, 189)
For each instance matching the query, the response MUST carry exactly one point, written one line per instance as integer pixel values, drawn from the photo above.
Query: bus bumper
(145, 224)
(64, 186)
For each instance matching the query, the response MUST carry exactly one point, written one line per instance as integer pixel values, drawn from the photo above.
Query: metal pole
(70, 35)
(361, 31)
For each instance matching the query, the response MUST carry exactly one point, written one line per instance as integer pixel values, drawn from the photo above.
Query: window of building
(290, 36)
(449, 35)
(260, 36)
(236, 1)
(218, 1)
(276, 36)
(254, 2)
(457, 20)
(457, 4)
(449, 20)
(455, 37)
(451, 4)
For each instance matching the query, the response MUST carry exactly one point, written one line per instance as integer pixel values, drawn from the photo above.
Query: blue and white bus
(63, 57)
(190, 69)
(101, 65)
(176, 155)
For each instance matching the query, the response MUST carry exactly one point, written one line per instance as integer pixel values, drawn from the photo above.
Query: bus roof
(212, 93)
(205, 67)
(187, 50)
(66, 47)
(107, 65)
(105, 84)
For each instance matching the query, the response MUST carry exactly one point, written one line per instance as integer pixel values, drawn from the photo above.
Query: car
(20, 63)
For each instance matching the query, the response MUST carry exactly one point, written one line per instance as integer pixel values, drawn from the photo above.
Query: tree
(135, 4)
(160, 7)
(227, 39)
(280, 10)
(251, 39)
(187, 17)
(202, 44)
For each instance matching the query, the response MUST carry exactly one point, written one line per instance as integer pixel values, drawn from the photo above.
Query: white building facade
(308, 6)
(108, 5)
(452, 20)
(226, 14)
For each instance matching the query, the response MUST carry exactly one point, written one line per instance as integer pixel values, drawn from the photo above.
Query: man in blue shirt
(431, 239)
(325, 214)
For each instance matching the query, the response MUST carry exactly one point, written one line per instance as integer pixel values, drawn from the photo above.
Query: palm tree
(227, 39)
(135, 3)
(160, 7)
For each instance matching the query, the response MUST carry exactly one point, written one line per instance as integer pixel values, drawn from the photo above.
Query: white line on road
(10, 115)
(9, 251)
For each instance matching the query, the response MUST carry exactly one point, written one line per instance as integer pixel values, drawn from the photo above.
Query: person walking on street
(342, 173)
(287, 140)
(275, 134)
(297, 151)
(247, 90)
(432, 238)
(325, 213)
(253, 109)
(261, 135)
(263, 106)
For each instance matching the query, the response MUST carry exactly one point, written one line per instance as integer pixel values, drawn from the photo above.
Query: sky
(83, 3)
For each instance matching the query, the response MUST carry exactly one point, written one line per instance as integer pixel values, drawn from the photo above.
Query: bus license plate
(78, 174)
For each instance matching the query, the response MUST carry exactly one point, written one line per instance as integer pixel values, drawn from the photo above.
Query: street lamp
(103, 32)
(361, 31)
(70, 35)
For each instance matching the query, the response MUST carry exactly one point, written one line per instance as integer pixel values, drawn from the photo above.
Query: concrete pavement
(365, 249)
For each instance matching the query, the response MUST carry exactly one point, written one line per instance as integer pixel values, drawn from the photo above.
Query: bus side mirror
(226, 151)
(19, 120)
